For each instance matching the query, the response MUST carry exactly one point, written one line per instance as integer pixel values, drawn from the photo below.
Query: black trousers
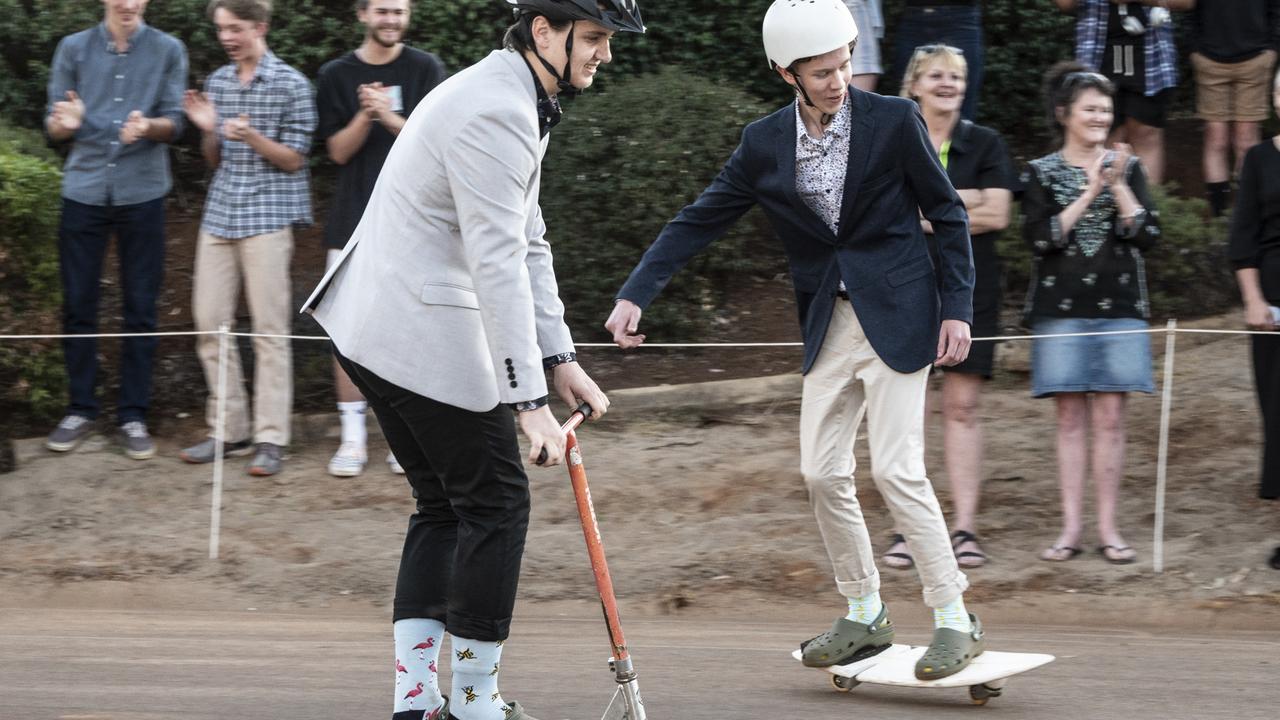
(83, 235)
(462, 551)
(1266, 376)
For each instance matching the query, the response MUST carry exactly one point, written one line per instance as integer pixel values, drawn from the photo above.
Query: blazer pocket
(909, 271)
(438, 294)
(878, 181)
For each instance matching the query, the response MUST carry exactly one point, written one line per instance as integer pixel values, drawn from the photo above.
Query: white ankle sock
(352, 416)
(953, 615)
(865, 609)
(417, 650)
(475, 693)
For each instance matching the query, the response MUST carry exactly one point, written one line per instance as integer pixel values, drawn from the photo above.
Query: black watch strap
(562, 358)
(529, 405)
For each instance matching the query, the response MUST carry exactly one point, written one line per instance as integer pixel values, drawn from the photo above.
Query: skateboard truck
(626, 703)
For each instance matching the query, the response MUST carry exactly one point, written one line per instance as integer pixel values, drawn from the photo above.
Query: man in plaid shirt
(1131, 43)
(256, 118)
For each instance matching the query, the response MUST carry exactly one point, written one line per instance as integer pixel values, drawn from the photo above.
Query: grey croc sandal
(848, 641)
(514, 712)
(951, 651)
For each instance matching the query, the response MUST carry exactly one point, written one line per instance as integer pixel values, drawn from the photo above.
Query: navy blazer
(880, 251)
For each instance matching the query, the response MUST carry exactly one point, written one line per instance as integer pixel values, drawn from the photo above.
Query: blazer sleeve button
(515, 384)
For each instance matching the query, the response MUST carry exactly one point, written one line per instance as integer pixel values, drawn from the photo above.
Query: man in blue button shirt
(115, 94)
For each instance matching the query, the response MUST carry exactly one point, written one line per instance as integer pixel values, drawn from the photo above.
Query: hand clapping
(68, 115)
(237, 129)
(199, 110)
(374, 100)
(135, 128)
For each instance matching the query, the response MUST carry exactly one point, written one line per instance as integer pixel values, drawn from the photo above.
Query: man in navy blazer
(844, 176)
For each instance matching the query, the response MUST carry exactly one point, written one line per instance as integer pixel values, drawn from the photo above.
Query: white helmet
(795, 29)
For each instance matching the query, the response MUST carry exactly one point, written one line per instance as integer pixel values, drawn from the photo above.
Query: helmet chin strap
(563, 84)
(826, 118)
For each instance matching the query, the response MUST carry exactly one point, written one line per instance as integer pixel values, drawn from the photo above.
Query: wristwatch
(528, 405)
(562, 358)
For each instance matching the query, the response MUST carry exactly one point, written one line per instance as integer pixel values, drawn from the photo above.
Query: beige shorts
(1234, 91)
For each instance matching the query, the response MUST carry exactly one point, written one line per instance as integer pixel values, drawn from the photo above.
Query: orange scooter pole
(620, 662)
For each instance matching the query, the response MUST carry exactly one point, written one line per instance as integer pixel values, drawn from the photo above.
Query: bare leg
(865, 82)
(1216, 145)
(347, 391)
(962, 440)
(1244, 135)
(1108, 419)
(1073, 420)
(1148, 145)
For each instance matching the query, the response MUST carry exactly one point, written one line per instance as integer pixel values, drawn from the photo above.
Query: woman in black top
(978, 164)
(1088, 219)
(1255, 254)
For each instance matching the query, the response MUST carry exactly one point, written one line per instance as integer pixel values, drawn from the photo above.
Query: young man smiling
(443, 311)
(363, 99)
(256, 118)
(844, 176)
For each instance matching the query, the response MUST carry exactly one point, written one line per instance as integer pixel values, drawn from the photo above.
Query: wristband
(528, 405)
(562, 358)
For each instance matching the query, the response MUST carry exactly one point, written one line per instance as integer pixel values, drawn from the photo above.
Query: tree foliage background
(648, 136)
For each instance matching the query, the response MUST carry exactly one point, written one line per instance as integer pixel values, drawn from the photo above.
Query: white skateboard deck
(896, 666)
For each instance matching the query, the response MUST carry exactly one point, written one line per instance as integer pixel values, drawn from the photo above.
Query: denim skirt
(1092, 363)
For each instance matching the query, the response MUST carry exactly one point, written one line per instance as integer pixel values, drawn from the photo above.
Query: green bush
(1188, 271)
(716, 40)
(613, 177)
(1188, 275)
(31, 377)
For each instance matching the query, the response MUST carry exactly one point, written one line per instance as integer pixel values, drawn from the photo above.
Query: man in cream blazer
(443, 310)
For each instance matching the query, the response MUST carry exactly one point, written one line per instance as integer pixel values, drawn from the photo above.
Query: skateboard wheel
(980, 694)
(843, 684)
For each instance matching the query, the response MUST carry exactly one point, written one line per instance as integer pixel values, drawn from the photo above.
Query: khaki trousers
(262, 263)
(847, 381)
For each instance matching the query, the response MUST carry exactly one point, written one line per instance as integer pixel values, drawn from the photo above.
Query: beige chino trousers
(849, 380)
(261, 264)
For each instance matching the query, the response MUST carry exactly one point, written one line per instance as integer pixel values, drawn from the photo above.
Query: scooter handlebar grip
(584, 410)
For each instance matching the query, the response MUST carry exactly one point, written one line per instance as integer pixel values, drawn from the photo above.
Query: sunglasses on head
(1085, 76)
(935, 48)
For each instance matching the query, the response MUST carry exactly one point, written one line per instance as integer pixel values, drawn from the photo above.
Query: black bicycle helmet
(617, 15)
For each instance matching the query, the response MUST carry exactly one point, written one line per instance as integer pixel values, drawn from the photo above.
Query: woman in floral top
(1088, 219)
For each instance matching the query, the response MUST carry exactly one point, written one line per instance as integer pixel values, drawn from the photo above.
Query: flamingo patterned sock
(475, 680)
(417, 687)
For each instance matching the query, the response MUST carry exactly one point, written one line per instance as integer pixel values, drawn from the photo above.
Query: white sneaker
(349, 461)
(394, 464)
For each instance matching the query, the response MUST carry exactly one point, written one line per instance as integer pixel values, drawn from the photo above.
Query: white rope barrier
(1162, 453)
(224, 333)
(993, 338)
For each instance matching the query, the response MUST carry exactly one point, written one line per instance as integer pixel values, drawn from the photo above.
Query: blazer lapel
(786, 150)
(862, 126)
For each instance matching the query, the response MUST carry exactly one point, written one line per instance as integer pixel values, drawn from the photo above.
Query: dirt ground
(698, 506)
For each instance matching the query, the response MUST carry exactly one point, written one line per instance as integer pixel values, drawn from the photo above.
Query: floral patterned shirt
(821, 165)
(1096, 270)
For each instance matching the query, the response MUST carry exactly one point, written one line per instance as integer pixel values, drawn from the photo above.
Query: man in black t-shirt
(363, 100)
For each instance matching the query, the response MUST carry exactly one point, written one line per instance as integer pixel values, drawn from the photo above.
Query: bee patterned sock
(865, 609)
(417, 651)
(953, 615)
(475, 693)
